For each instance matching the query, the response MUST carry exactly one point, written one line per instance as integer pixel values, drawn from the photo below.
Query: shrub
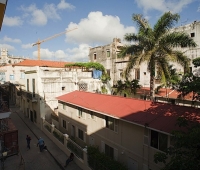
(99, 161)
(58, 136)
(48, 128)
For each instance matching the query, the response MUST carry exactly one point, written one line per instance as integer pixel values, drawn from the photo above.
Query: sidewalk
(58, 155)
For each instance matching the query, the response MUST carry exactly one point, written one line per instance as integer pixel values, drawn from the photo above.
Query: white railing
(66, 144)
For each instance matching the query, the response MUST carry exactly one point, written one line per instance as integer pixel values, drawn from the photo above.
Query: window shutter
(102, 146)
(115, 154)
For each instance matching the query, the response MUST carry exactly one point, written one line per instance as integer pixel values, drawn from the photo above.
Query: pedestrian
(71, 158)
(41, 144)
(28, 140)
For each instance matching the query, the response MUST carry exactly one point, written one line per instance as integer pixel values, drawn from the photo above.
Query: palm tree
(156, 46)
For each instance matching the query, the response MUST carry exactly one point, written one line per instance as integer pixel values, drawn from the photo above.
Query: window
(190, 69)
(108, 53)
(83, 86)
(95, 56)
(80, 134)
(108, 72)
(192, 34)
(137, 74)
(33, 86)
(64, 106)
(12, 77)
(22, 75)
(35, 116)
(158, 140)
(109, 151)
(92, 114)
(112, 123)
(64, 124)
(80, 112)
(27, 84)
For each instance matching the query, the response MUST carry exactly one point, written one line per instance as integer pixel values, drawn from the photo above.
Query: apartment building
(129, 130)
(107, 56)
(37, 83)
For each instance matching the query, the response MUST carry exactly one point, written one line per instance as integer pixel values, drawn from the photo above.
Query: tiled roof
(163, 92)
(42, 63)
(160, 116)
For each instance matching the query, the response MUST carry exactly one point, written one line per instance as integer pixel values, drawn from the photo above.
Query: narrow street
(29, 159)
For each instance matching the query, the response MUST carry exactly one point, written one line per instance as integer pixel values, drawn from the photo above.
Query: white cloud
(34, 15)
(7, 39)
(97, 29)
(60, 54)
(39, 17)
(12, 21)
(64, 5)
(27, 46)
(44, 54)
(198, 10)
(78, 54)
(7, 46)
(163, 5)
(50, 11)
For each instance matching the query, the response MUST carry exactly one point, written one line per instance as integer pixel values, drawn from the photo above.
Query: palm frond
(165, 22)
(131, 37)
(178, 39)
(133, 61)
(141, 21)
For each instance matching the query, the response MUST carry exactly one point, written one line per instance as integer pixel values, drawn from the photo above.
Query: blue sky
(97, 22)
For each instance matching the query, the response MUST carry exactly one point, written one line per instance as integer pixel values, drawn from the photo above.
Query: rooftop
(42, 63)
(159, 116)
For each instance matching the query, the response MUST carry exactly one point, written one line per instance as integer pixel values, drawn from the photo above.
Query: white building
(39, 82)
(5, 58)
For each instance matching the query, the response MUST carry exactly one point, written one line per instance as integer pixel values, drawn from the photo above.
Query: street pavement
(52, 159)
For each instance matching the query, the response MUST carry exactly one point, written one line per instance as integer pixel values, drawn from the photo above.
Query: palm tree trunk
(152, 78)
(152, 85)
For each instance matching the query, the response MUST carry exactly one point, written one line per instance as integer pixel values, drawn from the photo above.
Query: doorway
(31, 116)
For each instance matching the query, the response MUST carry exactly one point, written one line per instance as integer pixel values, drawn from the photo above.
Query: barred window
(83, 86)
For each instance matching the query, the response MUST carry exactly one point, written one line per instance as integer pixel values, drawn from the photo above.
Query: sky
(83, 24)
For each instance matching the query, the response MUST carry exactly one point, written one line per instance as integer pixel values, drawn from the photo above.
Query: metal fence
(75, 148)
(58, 135)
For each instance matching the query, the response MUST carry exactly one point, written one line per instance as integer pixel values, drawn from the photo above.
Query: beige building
(129, 130)
(107, 56)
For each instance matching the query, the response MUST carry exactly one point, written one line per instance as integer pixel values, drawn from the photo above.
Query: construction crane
(49, 38)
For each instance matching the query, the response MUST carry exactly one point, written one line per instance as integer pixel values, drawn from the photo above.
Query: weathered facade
(107, 56)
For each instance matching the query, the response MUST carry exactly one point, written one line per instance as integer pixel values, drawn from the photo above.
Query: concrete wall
(127, 139)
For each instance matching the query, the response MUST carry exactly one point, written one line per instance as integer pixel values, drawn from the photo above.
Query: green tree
(156, 46)
(128, 87)
(196, 62)
(185, 152)
(189, 84)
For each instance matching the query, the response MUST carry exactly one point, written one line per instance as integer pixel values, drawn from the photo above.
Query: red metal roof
(160, 116)
(163, 92)
(42, 63)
